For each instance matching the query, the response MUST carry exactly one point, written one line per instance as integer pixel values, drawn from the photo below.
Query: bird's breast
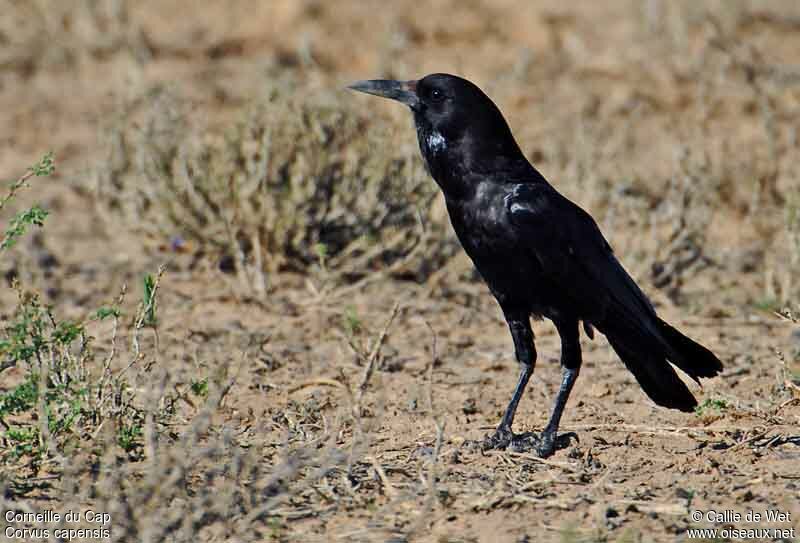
(485, 230)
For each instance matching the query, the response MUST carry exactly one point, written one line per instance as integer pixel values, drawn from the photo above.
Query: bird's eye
(437, 95)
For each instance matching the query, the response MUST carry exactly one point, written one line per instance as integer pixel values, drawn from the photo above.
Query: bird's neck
(455, 163)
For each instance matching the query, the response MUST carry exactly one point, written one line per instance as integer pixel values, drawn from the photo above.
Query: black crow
(540, 254)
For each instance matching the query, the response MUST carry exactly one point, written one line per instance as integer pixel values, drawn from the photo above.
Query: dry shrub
(41, 34)
(689, 161)
(686, 213)
(294, 181)
(69, 383)
(100, 424)
(209, 482)
(204, 469)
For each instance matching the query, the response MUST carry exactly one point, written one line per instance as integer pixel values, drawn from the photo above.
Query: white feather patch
(436, 142)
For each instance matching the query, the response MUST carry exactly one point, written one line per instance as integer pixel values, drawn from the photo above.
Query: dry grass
(41, 35)
(297, 182)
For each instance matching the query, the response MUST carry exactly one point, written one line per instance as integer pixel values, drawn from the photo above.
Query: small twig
(15, 187)
(387, 485)
(316, 382)
(790, 401)
(139, 324)
(431, 364)
(755, 437)
(112, 352)
(367, 279)
(373, 357)
(358, 395)
(430, 481)
(652, 430)
(44, 167)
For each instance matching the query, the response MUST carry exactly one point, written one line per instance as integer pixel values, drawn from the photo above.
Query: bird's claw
(499, 440)
(543, 444)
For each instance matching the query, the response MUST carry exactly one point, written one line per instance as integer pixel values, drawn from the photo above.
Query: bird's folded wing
(575, 256)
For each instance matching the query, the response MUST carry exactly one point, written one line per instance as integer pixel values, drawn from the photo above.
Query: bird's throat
(435, 142)
(438, 154)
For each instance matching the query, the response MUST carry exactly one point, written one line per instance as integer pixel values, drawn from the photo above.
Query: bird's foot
(499, 440)
(543, 445)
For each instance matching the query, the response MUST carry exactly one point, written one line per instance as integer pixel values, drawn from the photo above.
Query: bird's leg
(503, 435)
(525, 351)
(545, 444)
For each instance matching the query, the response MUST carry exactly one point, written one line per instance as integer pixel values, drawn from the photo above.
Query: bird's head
(447, 104)
(459, 128)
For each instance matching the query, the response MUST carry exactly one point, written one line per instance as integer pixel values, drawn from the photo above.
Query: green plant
(149, 301)
(21, 397)
(200, 387)
(106, 312)
(67, 391)
(716, 404)
(34, 216)
(25, 441)
(767, 304)
(53, 389)
(129, 436)
(352, 322)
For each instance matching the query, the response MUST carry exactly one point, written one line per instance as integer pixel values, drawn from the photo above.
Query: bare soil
(606, 98)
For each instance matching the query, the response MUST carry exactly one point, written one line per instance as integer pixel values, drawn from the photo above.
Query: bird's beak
(402, 91)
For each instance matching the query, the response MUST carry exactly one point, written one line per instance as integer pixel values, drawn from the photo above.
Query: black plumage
(539, 253)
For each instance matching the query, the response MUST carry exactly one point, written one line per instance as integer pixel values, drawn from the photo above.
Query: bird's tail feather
(655, 375)
(688, 355)
(646, 349)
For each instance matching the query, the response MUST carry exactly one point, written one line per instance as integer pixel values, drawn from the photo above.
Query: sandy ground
(603, 96)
